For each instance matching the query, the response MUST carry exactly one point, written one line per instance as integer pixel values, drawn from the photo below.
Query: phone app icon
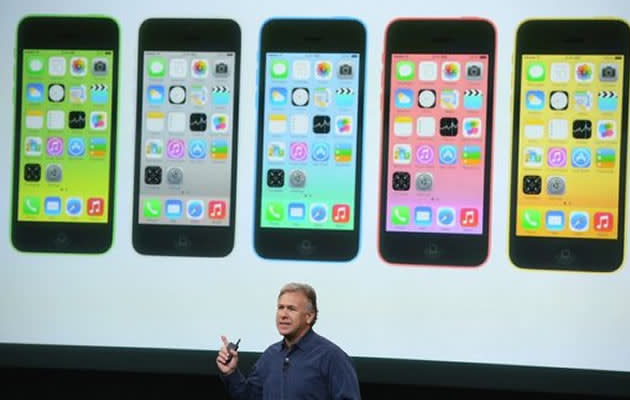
(471, 155)
(199, 95)
(297, 212)
(448, 154)
(155, 95)
(554, 220)
(532, 184)
(536, 71)
(31, 205)
(320, 152)
(582, 129)
(152, 208)
(560, 72)
(321, 97)
(279, 69)
(343, 152)
(74, 206)
(400, 215)
(220, 123)
(274, 212)
(402, 154)
(557, 157)
(52, 205)
(78, 66)
(153, 175)
(194, 209)
(323, 70)
(583, 100)
(178, 68)
(35, 65)
(99, 93)
(449, 99)
(603, 222)
(198, 122)
(559, 100)
(427, 71)
(472, 128)
(95, 206)
(156, 67)
(341, 213)
(275, 178)
(76, 147)
(448, 126)
(425, 154)
(301, 70)
(578, 221)
(33, 146)
(608, 72)
(474, 71)
(584, 72)
(220, 95)
(450, 71)
(155, 121)
(426, 98)
(469, 217)
(54, 146)
(423, 216)
(99, 67)
(403, 98)
(217, 209)
(344, 97)
(78, 94)
(606, 130)
(35, 93)
(56, 66)
(556, 185)
(531, 219)
(56, 119)
(343, 125)
(321, 124)
(177, 94)
(425, 126)
(401, 181)
(533, 157)
(76, 120)
(605, 158)
(445, 217)
(298, 151)
(319, 213)
(345, 70)
(403, 126)
(173, 209)
(276, 151)
(607, 100)
(535, 100)
(154, 149)
(278, 96)
(299, 124)
(581, 157)
(97, 147)
(300, 96)
(473, 99)
(277, 123)
(197, 149)
(175, 149)
(98, 120)
(56, 92)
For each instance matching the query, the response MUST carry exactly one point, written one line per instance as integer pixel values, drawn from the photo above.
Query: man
(302, 365)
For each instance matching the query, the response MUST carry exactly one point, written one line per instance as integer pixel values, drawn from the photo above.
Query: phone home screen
(65, 136)
(310, 138)
(569, 145)
(437, 138)
(185, 167)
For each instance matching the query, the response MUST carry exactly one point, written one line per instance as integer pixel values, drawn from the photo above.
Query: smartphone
(65, 134)
(310, 113)
(186, 137)
(567, 197)
(438, 96)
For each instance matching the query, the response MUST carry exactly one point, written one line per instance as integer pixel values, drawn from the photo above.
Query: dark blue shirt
(314, 368)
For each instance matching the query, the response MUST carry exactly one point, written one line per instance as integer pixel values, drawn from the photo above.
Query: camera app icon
(474, 71)
(345, 70)
(221, 69)
(99, 67)
(608, 73)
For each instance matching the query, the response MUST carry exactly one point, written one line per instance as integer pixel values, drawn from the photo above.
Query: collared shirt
(314, 368)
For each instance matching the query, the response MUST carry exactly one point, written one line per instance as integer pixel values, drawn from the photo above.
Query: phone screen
(310, 141)
(65, 136)
(187, 129)
(437, 141)
(569, 145)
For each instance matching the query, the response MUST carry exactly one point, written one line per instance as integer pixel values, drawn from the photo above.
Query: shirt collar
(305, 342)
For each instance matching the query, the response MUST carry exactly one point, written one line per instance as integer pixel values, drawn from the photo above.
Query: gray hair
(307, 291)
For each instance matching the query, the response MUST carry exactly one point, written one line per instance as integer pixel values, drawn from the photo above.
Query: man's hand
(222, 357)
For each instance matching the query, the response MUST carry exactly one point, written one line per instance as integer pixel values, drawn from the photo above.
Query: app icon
(427, 71)
(56, 66)
(299, 97)
(558, 129)
(220, 95)
(173, 209)
(95, 206)
(175, 149)
(177, 94)
(473, 99)
(400, 215)
(605, 158)
(298, 151)
(97, 147)
(603, 222)
(198, 122)
(608, 72)
(32, 146)
(319, 213)
(403, 98)
(78, 94)
(471, 155)
(217, 209)
(554, 220)
(535, 100)
(531, 219)
(54, 146)
(343, 152)
(584, 72)
(52, 205)
(154, 149)
(404, 70)
(197, 149)
(449, 99)
(299, 124)
(99, 93)
(297, 178)
(56, 119)
(98, 120)
(474, 71)
(278, 96)
(279, 69)
(78, 66)
(533, 157)
(76, 120)
(472, 128)
(99, 67)
(345, 70)
(402, 126)
(155, 95)
(320, 152)
(221, 69)
(32, 172)
(468, 217)
(560, 72)
(559, 100)
(276, 151)
(344, 97)
(532, 184)
(423, 216)
(74, 206)
(34, 92)
(31, 205)
(583, 100)
(556, 185)
(341, 213)
(425, 126)
(277, 123)
(424, 181)
(321, 124)
(557, 157)
(534, 129)
(445, 217)
(274, 212)
(35, 65)
(425, 154)
(56, 92)
(194, 209)
(54, 173)
(156, 67)
(153, 175)
(448, 126)
(343, 125)
(175, 176)
(178, 68)
(220, 123)
(155, 121)
(536, 71)
(581, 157)
(450, 71)
(323, 70)
(607, 100)
(199, 68)
(579, 221)
(76, 147)
(199, 95)
(402, 154)
(448, 154)
(582, 129)
(321, 97)
(34, 119)
(301, 70)
(606, 130)
(275, 178)
(401, 181)
(426, 98)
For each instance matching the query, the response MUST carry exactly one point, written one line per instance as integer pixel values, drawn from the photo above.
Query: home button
(305, 247)
(182, 242)
(62, 240)
(565, 256)
(432, 251)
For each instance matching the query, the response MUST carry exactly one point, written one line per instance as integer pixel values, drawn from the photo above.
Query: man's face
(292, 316)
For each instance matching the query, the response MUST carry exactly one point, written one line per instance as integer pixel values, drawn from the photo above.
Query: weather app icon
(278, 96)
(535, 100)
(404, 98)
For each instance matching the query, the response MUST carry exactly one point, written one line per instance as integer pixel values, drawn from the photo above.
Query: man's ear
(310, 317)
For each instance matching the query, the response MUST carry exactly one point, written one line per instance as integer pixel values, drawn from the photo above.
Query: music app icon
(468, 217)
(217, 209)
(603, 221)
(341, 213)
(95, 206)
